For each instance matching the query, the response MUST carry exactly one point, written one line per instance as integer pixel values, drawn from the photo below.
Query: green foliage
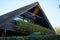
(20, 38)
(12, 38)
(58, 30)
(37, 34)
(39, 37)
(24, 26)
(43, 37)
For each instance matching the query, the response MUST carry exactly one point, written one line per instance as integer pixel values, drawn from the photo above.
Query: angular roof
(34, 8)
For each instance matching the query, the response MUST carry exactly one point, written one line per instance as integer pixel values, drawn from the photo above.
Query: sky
(50, 7)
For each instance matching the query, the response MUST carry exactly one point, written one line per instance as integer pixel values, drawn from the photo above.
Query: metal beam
(34, 13)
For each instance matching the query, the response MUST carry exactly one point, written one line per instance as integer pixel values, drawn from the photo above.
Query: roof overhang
(34, 8)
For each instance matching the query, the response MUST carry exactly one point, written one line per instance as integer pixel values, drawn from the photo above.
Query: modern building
(32, 13)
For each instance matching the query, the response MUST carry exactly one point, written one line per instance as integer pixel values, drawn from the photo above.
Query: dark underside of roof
(40, 18)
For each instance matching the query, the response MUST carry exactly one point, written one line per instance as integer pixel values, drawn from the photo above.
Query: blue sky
(50, 7)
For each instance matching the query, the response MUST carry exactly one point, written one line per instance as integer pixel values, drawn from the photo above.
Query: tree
(58, 30)
(30, 28)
